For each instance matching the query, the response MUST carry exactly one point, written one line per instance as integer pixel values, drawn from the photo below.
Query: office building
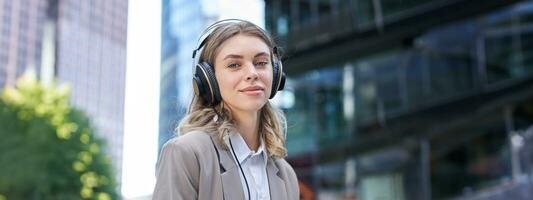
(417, 99)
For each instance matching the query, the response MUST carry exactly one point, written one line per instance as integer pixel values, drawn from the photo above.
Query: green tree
(48, 149)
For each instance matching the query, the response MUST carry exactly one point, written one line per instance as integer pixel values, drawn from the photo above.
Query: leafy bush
(48, 149)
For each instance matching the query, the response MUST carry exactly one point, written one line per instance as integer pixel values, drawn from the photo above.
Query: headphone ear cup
(276, 79)
(197, 85)
(212, 95)
(282, 82)
(200, 85)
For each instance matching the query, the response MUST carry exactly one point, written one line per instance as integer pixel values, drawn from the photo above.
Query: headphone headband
(212, 27)
(205, 34)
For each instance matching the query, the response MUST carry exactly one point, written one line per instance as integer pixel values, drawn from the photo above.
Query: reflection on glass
(365, 13)
(336, 107)
(393, 8)
(482, 161)
(508, 41)
(383, 186)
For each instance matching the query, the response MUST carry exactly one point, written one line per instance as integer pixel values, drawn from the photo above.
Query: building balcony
(316, 34)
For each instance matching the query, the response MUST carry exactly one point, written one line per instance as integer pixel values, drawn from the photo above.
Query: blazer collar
(230, 176)
(229, 173)
(275, 182)
(242, 150)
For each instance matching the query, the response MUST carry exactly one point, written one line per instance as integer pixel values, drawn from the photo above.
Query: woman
(231, 143)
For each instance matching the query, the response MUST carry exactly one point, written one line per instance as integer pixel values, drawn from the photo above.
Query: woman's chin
(252, 106)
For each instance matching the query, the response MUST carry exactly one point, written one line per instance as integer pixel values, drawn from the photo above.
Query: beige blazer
(188, 168)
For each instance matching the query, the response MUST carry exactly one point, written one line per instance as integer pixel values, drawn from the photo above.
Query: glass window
(304, 11)
(383, 186)
(378, 85)
(470, 159)
(318, 108)
(331, 180)
(279, 14)
(449, 76)
(502, 60)
(395, 8)
(417, 77)
(389, 82)
(301, 119)
(390, 172)
(365, 93)
(364, 13)
(508, 41)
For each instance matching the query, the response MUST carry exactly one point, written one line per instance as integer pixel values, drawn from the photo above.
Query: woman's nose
(251, 73)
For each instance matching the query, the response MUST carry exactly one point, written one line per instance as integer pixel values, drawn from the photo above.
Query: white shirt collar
(243, 151)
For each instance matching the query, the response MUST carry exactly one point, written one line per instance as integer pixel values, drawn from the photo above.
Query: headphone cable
(239, 163)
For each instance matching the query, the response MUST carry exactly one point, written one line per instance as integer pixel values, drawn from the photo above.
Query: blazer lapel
(231, 180)
(231, 184)
(275, 183)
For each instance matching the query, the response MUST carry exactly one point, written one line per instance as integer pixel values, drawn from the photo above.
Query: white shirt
(254, 167)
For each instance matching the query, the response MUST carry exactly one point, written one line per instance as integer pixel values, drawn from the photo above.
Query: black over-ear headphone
(204, 81)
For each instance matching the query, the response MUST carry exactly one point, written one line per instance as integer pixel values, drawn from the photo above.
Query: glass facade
(176, 48)
(90, 55)
(182, 23)
(305, 22)
(447, 114)
(21, 30)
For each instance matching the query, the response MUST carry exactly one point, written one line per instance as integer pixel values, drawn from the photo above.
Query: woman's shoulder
(283, 164)
(287, 173)
(191, 140)
(285, 167)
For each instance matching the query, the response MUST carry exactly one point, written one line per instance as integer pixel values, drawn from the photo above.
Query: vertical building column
(48, 48)
(294, 14)
(378, 15)
(513, 143)
(314, 11)
(425, 170)
(1, 40)
(334, 7)
(480, 77)
(11, 67)
(516, 41)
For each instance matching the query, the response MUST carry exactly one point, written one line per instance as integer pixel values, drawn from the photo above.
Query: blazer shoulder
(285, 167)
(289, 176)
(194, 141)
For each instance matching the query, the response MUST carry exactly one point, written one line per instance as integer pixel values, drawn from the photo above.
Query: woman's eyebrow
(261, 54)
(232, 56)
(240, 57)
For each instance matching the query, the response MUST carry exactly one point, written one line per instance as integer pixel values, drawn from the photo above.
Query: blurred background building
(82, 43)
(91, 56)
(175, 57)
(182, 23)
(412, 99)
(385, 99)
(21, 28)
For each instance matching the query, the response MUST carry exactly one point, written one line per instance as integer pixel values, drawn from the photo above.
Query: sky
(141, 112)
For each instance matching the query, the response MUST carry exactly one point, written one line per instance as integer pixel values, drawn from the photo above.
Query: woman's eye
(233, 65)
(262, 63)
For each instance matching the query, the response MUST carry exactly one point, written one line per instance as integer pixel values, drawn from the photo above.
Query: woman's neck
(248, 125)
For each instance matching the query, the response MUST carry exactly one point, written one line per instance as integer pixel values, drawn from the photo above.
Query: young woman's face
(243, 70)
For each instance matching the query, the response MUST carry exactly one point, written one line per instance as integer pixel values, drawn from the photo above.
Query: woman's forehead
(243, 45)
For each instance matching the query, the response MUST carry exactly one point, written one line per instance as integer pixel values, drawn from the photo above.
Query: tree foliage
(48, 149)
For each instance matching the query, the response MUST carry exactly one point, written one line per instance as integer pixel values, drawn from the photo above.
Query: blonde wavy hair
(272, 125)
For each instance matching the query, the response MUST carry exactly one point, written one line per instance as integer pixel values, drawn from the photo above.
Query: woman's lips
(253, 90)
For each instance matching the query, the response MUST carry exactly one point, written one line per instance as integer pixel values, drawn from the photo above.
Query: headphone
(204, 80)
